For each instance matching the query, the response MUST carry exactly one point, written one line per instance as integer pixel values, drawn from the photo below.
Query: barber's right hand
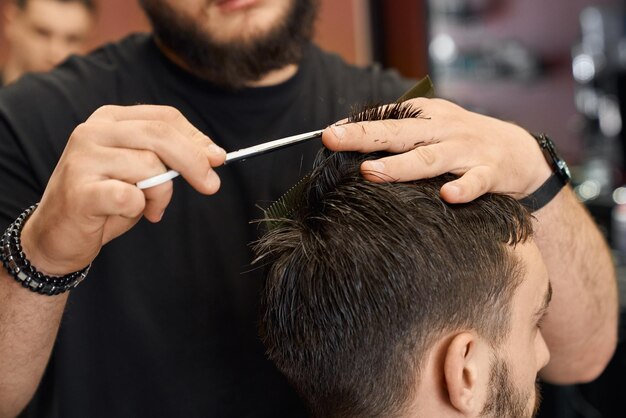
(92, 198)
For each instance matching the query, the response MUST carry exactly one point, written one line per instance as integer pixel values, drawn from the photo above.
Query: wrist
(559, 175)
(23, 271)
(34, 250)
(538, 167)
(35, 254)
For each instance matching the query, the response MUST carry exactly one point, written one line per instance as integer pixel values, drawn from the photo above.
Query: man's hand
(91, 197)
(489, 154)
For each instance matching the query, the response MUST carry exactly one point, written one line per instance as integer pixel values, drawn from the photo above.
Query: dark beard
(233, 64)
(505, 400)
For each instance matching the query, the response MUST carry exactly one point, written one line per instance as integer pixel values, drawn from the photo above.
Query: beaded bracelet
(14, 260)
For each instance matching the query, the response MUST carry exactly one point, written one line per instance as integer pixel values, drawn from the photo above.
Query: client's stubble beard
(238, 63)
(505, 400)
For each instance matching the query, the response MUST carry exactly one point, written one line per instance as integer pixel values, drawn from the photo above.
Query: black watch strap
(544, 194)
(553, 185)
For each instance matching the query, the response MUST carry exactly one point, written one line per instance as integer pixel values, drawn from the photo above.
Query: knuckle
(72, 168)
(425, 155)
(170, 113)
(199, 137)
(150, 160)
(84, 131)
(419, 102)
(157, 129)
(121, 196)
(106, 109)
(481, 182)
(392, 126)
(199, 156)
(441, 102)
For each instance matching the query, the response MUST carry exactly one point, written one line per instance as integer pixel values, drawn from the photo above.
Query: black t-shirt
(165, 324)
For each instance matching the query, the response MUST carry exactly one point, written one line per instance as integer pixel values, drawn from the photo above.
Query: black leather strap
(544, 194)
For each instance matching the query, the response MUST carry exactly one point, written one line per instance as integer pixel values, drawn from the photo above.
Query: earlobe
(461, 371)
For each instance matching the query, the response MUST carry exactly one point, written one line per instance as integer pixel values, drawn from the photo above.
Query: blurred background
(555, 66)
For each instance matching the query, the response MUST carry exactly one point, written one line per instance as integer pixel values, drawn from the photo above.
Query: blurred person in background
(43, 33)
(165, 324)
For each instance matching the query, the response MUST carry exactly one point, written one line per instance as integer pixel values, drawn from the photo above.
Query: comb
(290, 202)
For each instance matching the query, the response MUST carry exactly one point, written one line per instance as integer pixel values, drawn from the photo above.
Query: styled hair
(89, 4)
(362, 278)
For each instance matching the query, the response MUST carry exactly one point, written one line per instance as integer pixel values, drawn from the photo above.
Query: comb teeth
(286, 205)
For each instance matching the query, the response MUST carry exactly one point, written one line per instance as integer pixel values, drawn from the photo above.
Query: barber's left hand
(488, 154)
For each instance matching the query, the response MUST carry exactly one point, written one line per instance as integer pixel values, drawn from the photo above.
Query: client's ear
(466, 368)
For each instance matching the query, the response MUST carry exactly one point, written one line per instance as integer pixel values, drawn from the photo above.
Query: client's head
(381, 300)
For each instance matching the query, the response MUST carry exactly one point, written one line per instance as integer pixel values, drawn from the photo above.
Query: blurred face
(46, 32)
(512, 390)
(232, 42)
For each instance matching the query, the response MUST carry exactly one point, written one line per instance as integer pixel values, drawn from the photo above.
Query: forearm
(28, 326)
(581, 326)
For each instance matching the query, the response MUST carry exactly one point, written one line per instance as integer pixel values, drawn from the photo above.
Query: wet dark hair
(362, 278)
(89, 4)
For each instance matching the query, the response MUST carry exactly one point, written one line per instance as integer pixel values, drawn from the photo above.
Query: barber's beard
(505, 399)
(237, 63)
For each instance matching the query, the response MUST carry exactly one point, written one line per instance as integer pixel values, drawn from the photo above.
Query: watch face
(549, 149)
(564, 169)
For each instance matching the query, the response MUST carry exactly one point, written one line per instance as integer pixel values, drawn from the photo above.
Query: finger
(172, 148)
(471, 185)
(166, 114)
(392, 135)
(157, 199)
(129, 165)
(216, 154)
(111, 198)
(419, 163)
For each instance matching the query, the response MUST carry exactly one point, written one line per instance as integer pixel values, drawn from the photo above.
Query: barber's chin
(230, 6)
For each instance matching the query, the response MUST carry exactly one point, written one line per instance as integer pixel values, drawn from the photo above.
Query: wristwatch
(559, 178)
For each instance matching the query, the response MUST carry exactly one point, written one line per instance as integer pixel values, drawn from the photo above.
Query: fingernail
(214, 149)
(375, 166)
(339, 131)
(161, 216)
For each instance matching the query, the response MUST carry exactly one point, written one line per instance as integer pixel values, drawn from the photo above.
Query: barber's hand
(91, 197)
(490, 155)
